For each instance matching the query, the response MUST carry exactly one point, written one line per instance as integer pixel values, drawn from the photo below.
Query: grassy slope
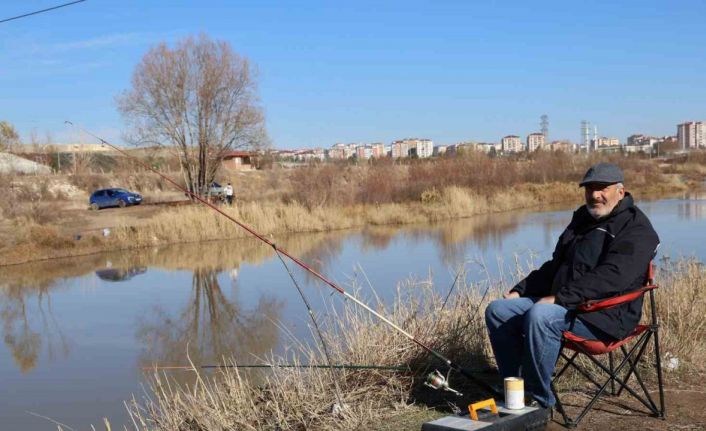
(34, 241)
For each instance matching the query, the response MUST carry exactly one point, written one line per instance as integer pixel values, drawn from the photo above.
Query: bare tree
(8, 136)
(200, 100)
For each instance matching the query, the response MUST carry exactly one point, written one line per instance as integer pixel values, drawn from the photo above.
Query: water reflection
(120, 274)
(319, 250)
(23, 335)
(453, 238)
(692, 211)
(695, 195)
(692, 206)
(210, 322)
(209, 327)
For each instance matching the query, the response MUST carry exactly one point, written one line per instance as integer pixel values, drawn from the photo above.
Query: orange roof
(236, 154)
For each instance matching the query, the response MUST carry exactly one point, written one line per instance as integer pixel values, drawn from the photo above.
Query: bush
(431, 196)
(322, 184)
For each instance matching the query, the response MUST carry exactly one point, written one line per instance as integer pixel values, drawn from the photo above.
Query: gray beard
(594, 214)
(597, 216)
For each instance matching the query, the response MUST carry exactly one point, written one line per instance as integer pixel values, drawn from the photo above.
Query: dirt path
(83, 220)
(76, 218)
(685, 410)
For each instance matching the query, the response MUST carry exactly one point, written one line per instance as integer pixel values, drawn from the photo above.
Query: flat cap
(603, 173)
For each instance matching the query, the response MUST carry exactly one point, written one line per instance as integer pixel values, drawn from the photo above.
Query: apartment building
(511, 144)
(424, 147)
(400, 149)
(691, 135)
(363, 152)
(350, 150)
(535, 141)
(337, 152)
(421, 148)
(378, 150)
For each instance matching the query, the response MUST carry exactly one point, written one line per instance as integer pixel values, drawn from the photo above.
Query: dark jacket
(596, 259)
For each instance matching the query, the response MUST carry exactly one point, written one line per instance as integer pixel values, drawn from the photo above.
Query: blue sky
(376, 71)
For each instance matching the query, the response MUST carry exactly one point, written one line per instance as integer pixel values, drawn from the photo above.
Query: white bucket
(514, 393)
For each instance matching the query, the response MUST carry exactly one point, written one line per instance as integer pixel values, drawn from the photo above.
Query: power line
(41, 11)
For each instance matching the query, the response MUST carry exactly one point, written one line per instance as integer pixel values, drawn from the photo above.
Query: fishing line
(41, 11)
(452, 365)
(448, 294)
(316, 325)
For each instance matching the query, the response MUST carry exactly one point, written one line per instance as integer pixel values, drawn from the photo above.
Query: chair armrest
(602, 304)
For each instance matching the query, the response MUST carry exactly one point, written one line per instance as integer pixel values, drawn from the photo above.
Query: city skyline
(369, 72)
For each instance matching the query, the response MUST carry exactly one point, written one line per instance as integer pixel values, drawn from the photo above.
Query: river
(78, 332)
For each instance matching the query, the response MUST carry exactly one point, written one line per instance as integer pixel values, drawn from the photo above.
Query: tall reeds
(681, 306)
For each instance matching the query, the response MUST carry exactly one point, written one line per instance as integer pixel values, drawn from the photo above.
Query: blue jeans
(526, 338)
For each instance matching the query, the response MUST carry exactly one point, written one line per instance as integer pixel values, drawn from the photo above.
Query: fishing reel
(436, 380)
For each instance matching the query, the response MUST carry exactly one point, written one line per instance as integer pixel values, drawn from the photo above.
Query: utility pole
(544, 124)
(584, 135)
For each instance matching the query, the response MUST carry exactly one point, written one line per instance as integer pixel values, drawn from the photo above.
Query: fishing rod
(432, 381)
(313, 366)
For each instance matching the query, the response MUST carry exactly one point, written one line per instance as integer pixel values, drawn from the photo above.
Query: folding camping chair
(638, 339)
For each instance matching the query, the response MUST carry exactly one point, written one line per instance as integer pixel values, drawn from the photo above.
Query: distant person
(229, 194)
(603, 252)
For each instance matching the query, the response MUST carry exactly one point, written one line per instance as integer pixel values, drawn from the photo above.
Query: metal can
(514, 393)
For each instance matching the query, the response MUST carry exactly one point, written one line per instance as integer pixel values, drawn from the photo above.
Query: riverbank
(302, 398)
(137, 227)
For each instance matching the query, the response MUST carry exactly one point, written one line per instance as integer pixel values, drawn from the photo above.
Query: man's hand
(511, 295)
(546, 300)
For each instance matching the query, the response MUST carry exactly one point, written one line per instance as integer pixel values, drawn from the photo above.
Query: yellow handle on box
(482, 405)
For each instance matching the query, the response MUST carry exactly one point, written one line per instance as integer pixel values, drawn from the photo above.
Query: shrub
(431, 196)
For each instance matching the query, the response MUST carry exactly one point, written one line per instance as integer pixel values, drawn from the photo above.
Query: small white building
(606, 142)
(644, 148)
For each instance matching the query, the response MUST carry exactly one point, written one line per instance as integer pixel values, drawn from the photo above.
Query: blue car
(113, 198)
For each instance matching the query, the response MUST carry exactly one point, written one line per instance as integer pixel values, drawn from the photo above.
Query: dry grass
(125, 178)
(32, 200)
(301, 398)
(681, 306)
(190, 224)
(298, 399)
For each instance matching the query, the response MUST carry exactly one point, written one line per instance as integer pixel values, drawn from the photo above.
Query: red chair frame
(642, 333)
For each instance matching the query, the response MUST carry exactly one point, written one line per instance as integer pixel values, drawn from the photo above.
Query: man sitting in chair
(603, 252)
